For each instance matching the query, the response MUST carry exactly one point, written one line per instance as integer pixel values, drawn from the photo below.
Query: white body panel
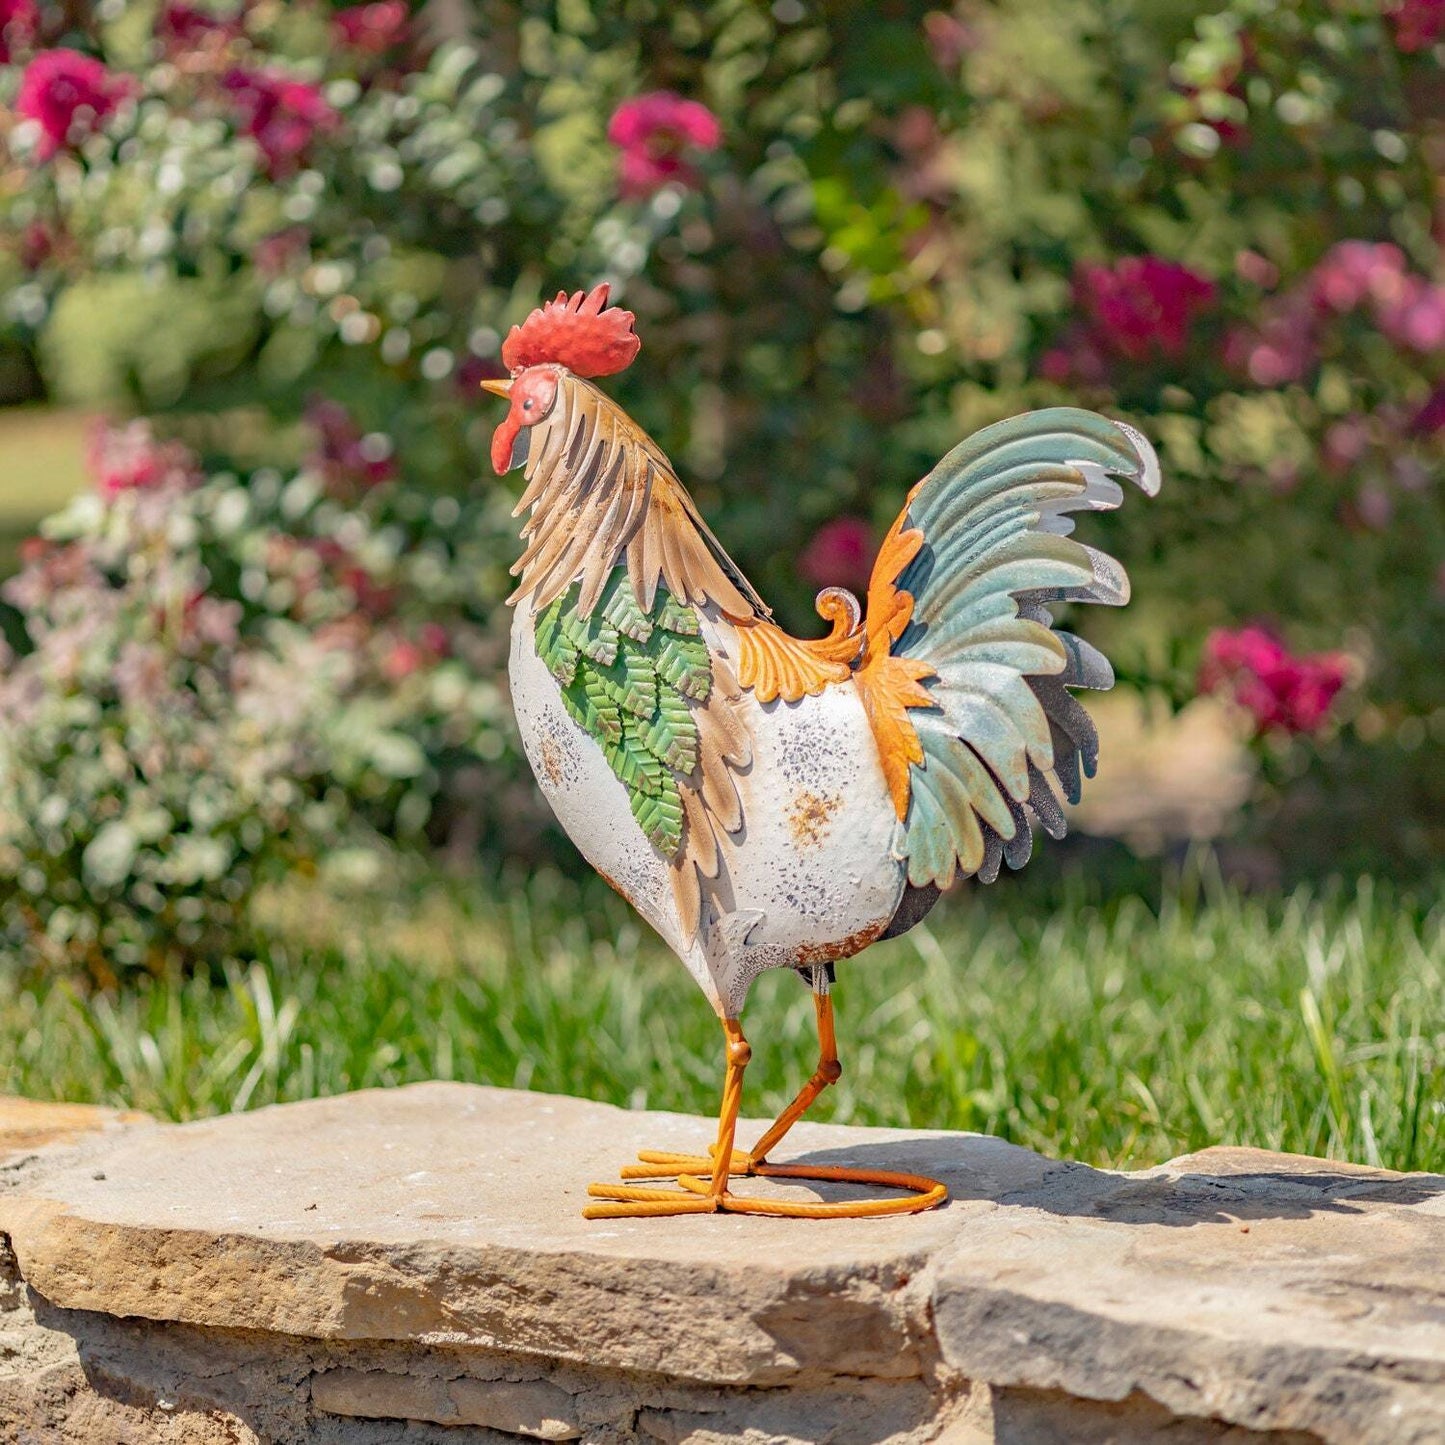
(811, 875)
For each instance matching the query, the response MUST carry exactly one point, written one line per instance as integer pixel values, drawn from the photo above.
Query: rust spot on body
(811, 816)
(843, 948)
(613, 884)
(551, 761)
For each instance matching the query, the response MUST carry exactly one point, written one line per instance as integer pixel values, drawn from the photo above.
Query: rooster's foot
(696, 1193)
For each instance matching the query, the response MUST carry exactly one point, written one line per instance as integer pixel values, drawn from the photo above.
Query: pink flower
(1416, 316)
(1352, 272)
(651, 132)
(19, 20)
(68, 95)
(1282, 347)
(188, 27)
(402, 659)
(840, 554)
(347, 458)
(1283, 692)
(1142, 304)
(435, 638)
(1431, 416)
(283, 116)
(276, 254)
(948, 38)
(1345, 442)
(1407, 308)
(373, 29)
(129, 458)
(1418, 23)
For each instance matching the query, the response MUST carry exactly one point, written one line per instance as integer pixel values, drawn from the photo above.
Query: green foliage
(926, 200)
(627, 684)
(215, 687)
(1114, 1033)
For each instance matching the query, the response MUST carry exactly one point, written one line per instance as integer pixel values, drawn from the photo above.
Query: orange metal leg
(702, 1184)
(829, 1071)
(692, 1196)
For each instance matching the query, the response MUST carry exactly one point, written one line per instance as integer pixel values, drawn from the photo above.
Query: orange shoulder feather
(889, 685)
(776, 665)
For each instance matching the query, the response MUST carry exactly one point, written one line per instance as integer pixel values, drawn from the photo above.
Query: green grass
(1116, 1033)
(42, 465)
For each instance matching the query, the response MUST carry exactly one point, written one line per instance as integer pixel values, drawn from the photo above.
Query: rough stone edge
(1012, 1339)
(1077, 1357)
(359, 1293)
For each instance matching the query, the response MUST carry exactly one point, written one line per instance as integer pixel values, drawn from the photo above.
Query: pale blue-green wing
(1006, 739)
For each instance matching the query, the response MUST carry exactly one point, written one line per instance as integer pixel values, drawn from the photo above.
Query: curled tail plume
(965, 678)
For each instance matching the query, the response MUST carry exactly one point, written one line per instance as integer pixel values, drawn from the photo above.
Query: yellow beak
(501, 387)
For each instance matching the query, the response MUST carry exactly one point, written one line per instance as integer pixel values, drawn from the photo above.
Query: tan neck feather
(601, 491)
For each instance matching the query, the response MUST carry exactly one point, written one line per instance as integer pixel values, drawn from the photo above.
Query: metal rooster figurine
(769, 802)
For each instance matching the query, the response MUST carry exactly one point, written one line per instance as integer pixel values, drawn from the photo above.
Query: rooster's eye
(526, 406)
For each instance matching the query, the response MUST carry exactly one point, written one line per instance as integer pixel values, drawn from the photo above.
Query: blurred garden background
(265, 827)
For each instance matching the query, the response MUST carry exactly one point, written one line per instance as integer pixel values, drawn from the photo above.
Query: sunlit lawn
(42, 465)
(1111, 1032)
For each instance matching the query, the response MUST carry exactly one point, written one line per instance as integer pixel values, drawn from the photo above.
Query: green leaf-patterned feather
(630, 679)
(683, 662)
(557, 652)
(675, 616)
(672, 734)
(593, 710)
(659, 815)
(594, 636)
(632, 762)
(621, 609)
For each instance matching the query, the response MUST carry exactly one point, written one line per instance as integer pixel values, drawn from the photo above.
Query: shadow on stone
(1178, 1194)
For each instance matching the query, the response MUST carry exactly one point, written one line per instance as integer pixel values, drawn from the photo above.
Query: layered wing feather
(983, 547)
(642, 683)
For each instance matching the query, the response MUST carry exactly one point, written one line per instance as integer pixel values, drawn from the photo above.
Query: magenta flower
(36, 245)
(1142, 305)
(1418, 23)
(187, 27)
(840, 554)
(1283, 692)
(1431, 416)
(278, 253)
(1416, 316)
(67, 95)
(348, 459)
(283, 116)
(129, 458)
(1407, 308)
(373, 29)
(1075, 358)
(19, 20)
(1353, 272)
(652, 133)
(1282, 347)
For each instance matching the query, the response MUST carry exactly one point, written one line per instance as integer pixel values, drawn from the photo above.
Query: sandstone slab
(417, 1256)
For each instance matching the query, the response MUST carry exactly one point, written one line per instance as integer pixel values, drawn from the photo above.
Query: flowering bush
(225, 678)
(851, 235)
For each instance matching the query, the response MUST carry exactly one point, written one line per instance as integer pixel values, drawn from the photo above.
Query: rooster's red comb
(579, 332)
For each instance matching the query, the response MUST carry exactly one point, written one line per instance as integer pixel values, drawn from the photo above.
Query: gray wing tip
(1147, 477)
